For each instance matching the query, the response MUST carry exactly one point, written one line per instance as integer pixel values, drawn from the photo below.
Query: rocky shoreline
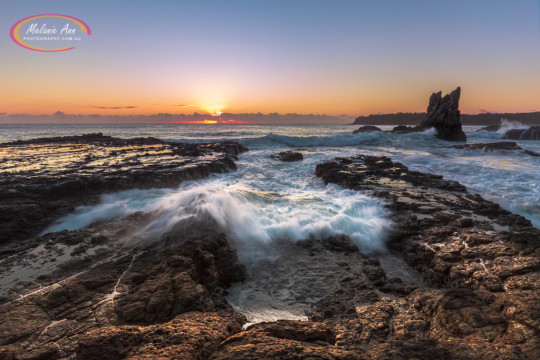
(480, 262)
(43, 179)
(460, 280)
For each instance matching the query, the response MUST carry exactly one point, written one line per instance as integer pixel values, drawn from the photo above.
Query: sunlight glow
(211, 122)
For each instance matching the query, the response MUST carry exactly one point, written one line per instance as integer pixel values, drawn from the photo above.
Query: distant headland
(532, 118)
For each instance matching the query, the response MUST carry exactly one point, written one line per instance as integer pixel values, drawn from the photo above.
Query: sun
(214, 110)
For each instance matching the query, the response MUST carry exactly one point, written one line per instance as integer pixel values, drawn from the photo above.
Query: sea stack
(443, 115)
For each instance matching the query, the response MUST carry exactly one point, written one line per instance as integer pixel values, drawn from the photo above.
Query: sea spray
(250, 217)
(507, 125)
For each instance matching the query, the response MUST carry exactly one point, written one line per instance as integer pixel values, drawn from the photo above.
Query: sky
(307, 57)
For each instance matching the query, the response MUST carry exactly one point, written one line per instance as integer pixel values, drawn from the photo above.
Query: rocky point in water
(492, 128)
(532, 133)
(494, 146)
(288, 156)
(443, 115)
(404, 129)
(43, 179)
(366, 129)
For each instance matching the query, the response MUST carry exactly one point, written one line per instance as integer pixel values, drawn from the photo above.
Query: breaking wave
(251, 218)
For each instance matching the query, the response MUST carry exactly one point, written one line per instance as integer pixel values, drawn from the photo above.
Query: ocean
(285, 200)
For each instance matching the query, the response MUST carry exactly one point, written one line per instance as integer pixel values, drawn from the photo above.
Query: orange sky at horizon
(352, 102)
(368, 104)
(115, 92)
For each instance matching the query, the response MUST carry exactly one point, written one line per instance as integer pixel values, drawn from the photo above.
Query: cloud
(1, 114)
(184, 105)
(484, 111)
(114, 107)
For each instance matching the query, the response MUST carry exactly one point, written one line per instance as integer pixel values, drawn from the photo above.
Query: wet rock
(371, 173)
(495, 146)
(366, 129)
(284, 339)
(192, 335)
(339, 243)
(153, 286)
(432, 323)
(182, 281)
(500, 145)
(443, 115)
(532, 133)
(288, 156)
(532, 153)
(492, 128)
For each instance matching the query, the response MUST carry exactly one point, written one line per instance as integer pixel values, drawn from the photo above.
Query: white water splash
(251, 218)
(507, 125)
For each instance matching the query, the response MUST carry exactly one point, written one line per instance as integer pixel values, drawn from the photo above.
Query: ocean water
(284, 200)
(267, 204)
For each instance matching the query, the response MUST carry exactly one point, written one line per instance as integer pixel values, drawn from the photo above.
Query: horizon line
(342, 116)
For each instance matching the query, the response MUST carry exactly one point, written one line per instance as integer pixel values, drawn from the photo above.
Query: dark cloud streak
(114, 107)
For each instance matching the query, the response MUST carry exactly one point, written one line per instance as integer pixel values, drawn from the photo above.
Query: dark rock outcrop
(495, 146)
(532, 133)
(288, 156)
(93, 138)
(499, 145)
(404, 129)
(443, 115)
(366, 129)
(493, 128)
(180, 282)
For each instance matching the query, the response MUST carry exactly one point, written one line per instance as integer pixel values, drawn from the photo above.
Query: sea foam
(251, 218)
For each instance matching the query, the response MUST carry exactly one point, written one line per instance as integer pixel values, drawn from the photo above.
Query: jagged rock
(366, 129)
(532, 133)
(443, 115)
(288, 156)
